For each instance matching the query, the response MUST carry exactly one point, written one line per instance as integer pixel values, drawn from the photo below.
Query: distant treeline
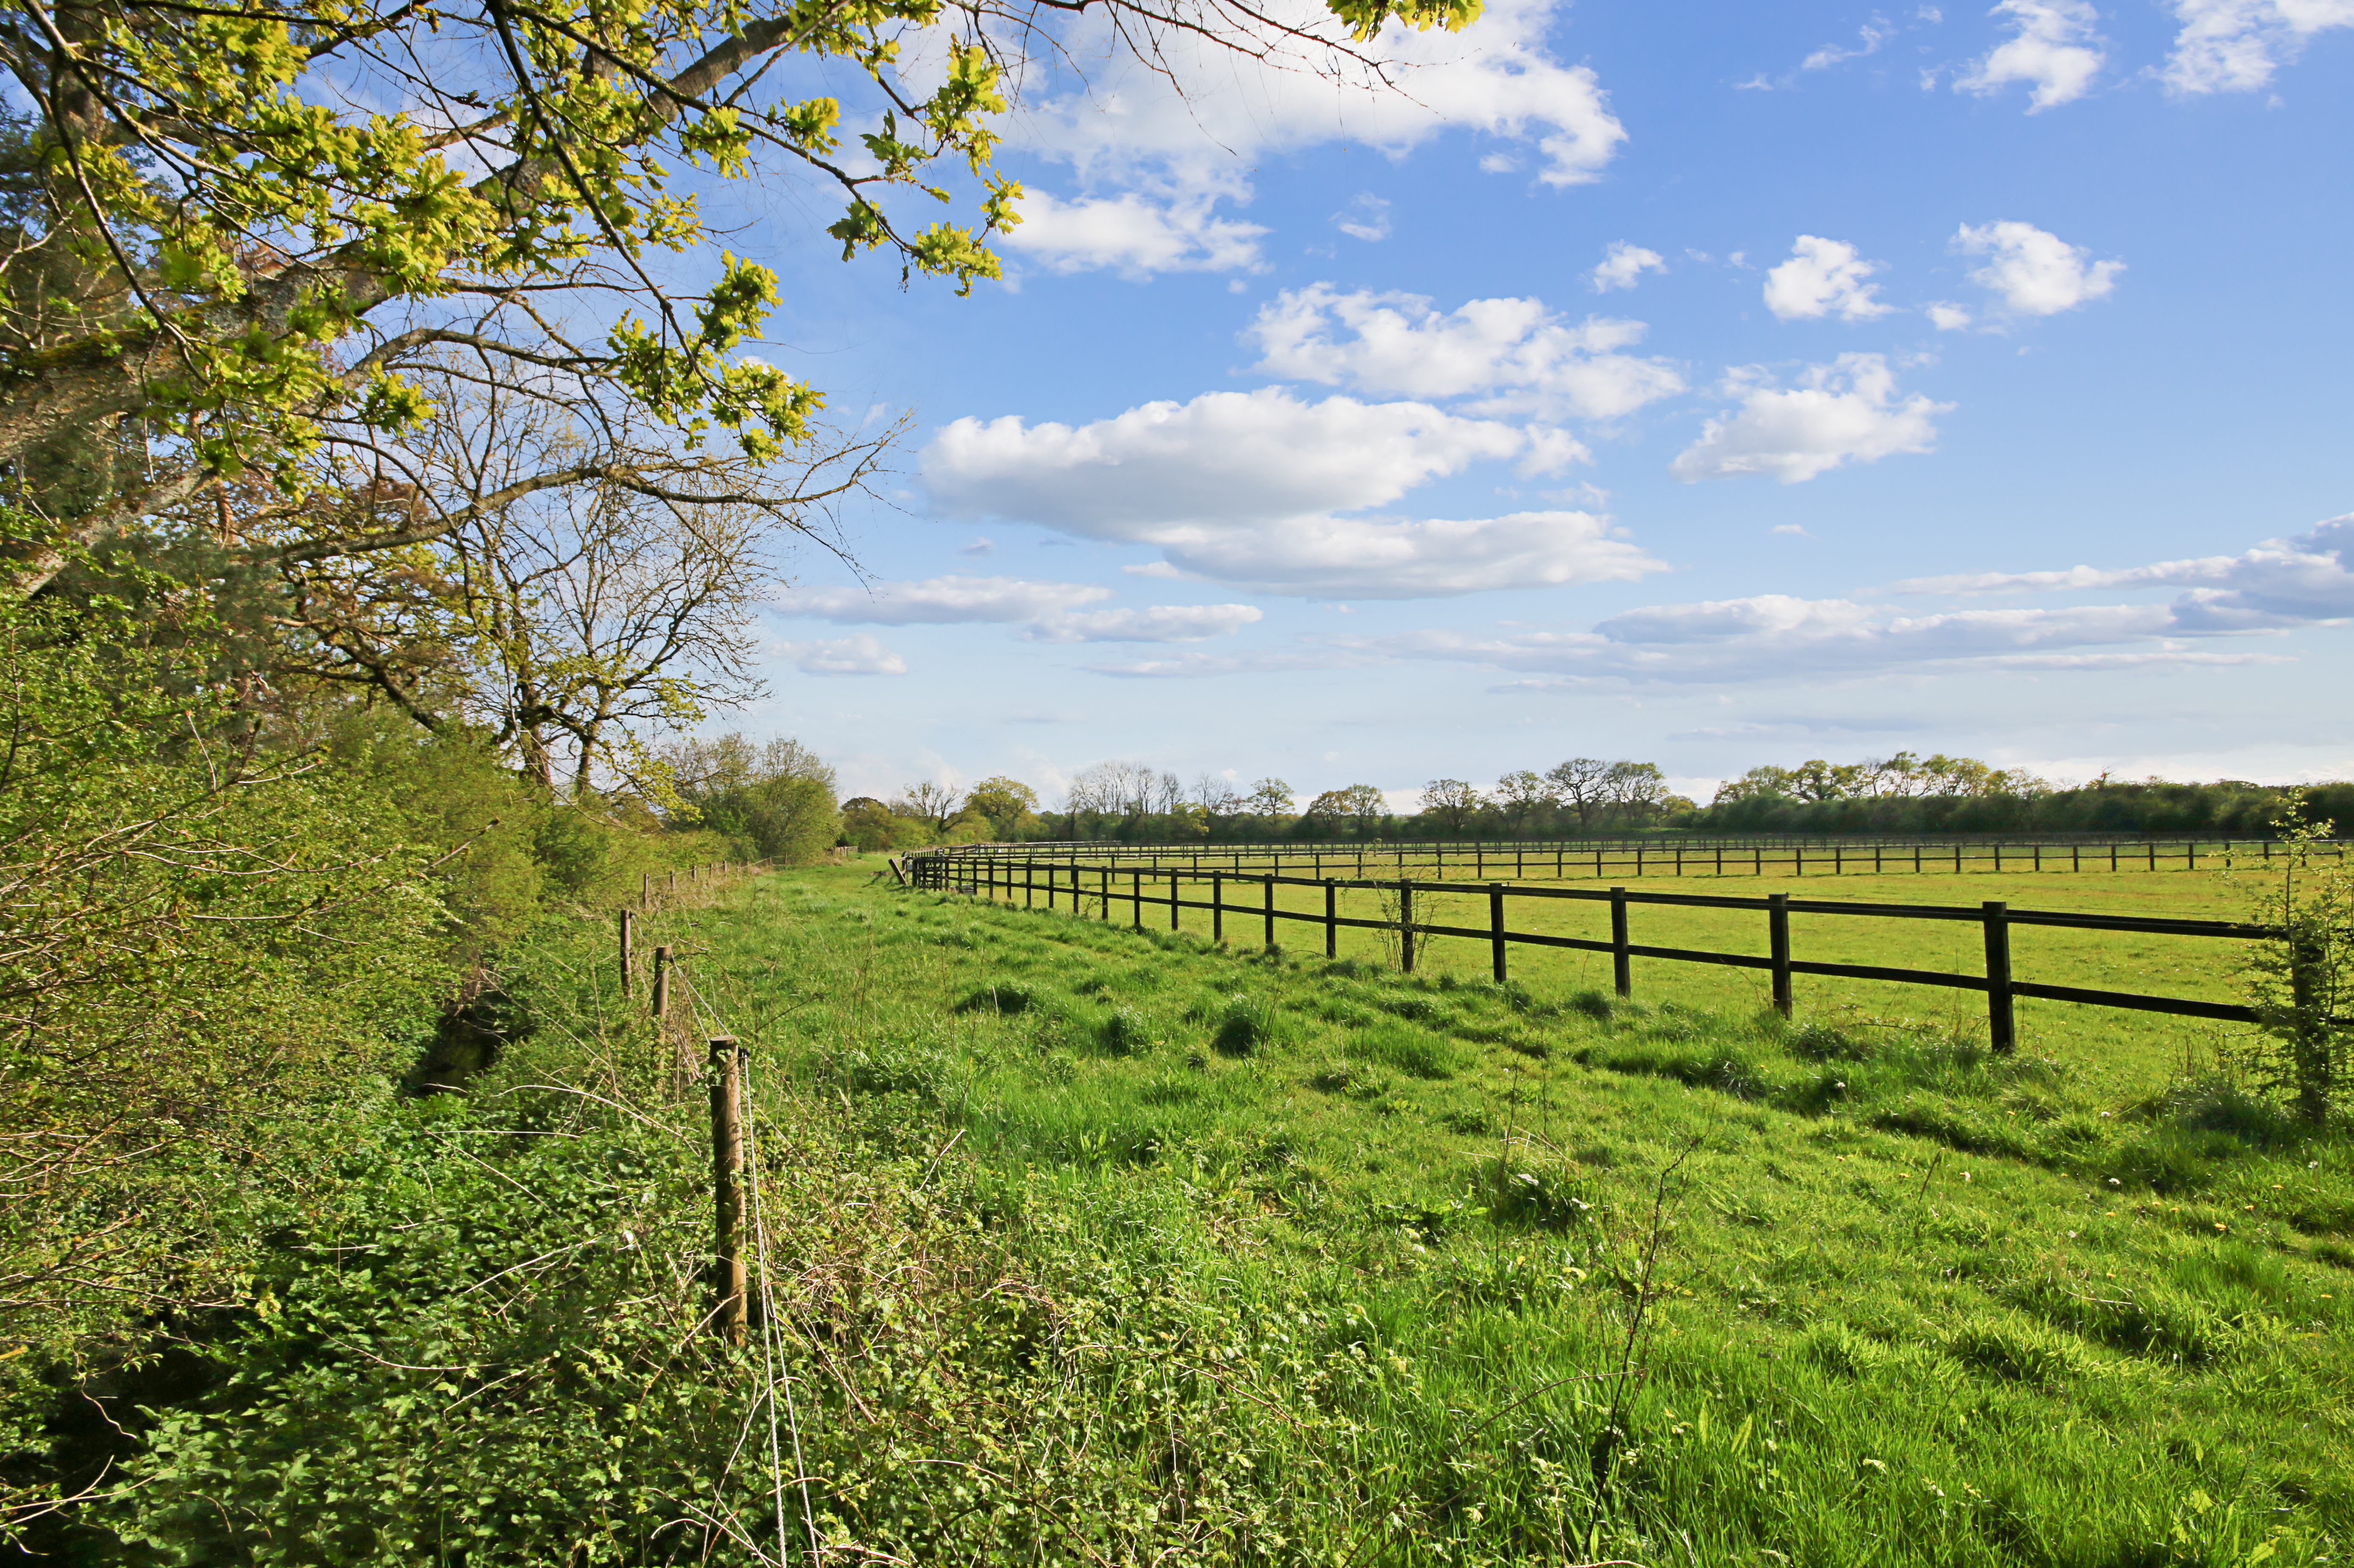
(1901, 797)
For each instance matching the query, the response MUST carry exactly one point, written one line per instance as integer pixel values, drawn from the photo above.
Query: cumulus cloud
(1512, 355)
(1154, 161)
(1248, 489)
(1499, 79)
(2235, 46)
(1820, 277)
(937, 601)
(2036, 272)
(1848, 411)
(1133, 233)
(2055, 47)
(859, 655)
(1623, 266)
(1160, 623)
(1946, 317)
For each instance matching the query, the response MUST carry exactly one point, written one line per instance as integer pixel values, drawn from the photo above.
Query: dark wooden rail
(1105, 886)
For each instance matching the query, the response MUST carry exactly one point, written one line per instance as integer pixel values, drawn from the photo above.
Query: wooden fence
(1562, 860)
(1104, 888)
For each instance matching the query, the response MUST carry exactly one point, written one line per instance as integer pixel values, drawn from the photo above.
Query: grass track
(1915, 1306)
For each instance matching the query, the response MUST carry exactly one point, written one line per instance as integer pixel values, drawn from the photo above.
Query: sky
(1703, 384)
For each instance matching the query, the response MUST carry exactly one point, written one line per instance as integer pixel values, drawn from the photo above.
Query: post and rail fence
(1105, 888)
(1562, 860)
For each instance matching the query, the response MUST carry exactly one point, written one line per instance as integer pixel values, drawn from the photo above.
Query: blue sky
(1704, 383)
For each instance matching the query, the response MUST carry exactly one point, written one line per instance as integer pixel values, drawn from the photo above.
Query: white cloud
(937, 601)
(1160, 623)
(1947, 317)
(1623, 266)
(1346, 557)
(2235, 46)
(1848, 411)
(1513, 354)
(1869, 37)
(1366, 218)
(1225, 458)
(1133, 233)
(2036, 272)
(1245, 488)
(2054, 46)
(2302, 581)
(859, 655)
(1132, 128)
(1497, 79)
(1820, 277)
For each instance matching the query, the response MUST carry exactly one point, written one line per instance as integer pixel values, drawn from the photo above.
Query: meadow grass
(1473, 1273)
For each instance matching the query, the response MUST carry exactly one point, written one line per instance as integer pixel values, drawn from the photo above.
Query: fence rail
(1564, 859)
(1100, 888)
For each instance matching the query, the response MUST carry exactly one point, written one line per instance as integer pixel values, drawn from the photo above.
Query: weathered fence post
(1270, 910)
(2002, 1029)
(1496, 929)
(1778, 944)
(1217, 906)
(1622, 962)
(1136, 900)
(645, 890)
(628, 959)
(1175, 900)
(666, 1064)
(1332, 920)
(726, 1188)
(1406, 925)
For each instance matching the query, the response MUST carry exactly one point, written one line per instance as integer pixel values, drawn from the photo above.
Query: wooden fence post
(1332, 920)
(645, 890)
(1174, 896)
(658, 1007)
(2002, 1029)
(1622, 962)
(628, 959)
(1496, 929)
(1406, 925)
(1136, 900)
(726, 1188)
(1777, 943)
(1270, 910)
(1217, 906)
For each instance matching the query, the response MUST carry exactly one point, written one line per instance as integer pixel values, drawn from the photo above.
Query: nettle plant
(2303, 985)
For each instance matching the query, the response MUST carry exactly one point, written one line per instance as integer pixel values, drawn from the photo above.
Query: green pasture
(1449, 1272)
(2123, 1049)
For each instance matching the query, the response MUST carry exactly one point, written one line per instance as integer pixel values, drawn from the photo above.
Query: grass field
(1379, 1269)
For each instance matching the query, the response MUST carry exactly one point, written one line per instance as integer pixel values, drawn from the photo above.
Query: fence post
(726, 1188)
(1217, 906)
(1622, 962)
(1270, 910)
(1496, 928)
(1173, 897)
(645, 890)
(1406, 925)
(1332, 920)
(1136, 900)
(1777, 935)
(628, 959)
(2002, 1029)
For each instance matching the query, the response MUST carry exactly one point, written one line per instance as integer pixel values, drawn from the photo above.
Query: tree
(1450, 801)
(937, 806)
(1634, 790)
(1268, 797)
(1581, 782)
(1008, 803)
(778, 799)
(1525, 793)
(1357, 806)
(1215, 795)
(221, 246)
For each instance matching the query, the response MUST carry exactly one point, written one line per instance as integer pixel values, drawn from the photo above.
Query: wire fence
(1106, 890)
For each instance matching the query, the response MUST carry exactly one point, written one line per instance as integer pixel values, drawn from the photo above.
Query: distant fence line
(1560, 859)
(1082, 885)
